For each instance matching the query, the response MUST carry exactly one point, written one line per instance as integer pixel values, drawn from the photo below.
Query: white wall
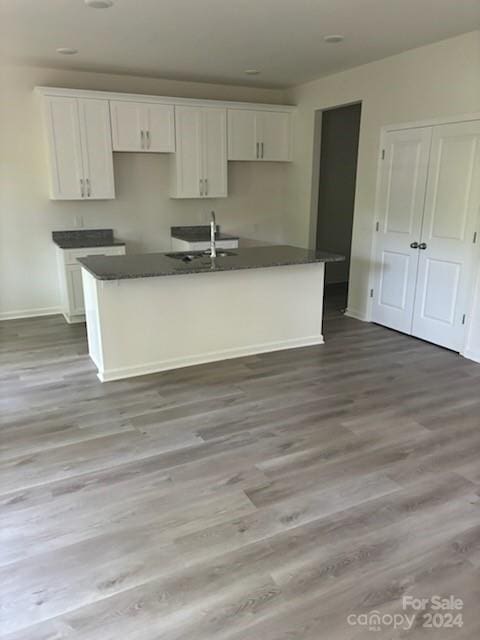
(141, 214)
(432, 81)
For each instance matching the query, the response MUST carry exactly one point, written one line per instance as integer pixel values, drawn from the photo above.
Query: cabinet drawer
(71, 255)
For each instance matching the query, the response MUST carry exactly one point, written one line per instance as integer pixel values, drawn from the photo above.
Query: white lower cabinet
(74, 290)
(70, 278)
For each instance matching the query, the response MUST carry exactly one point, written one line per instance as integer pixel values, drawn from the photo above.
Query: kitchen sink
(185, 256)
(190, 256)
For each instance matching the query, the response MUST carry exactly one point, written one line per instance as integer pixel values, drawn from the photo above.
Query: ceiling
(216, 40)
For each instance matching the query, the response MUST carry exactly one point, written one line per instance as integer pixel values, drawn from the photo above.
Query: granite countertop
(198, 233)
(79, 238)
(152, 265)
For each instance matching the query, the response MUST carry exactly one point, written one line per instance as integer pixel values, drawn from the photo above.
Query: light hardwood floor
(262, 498)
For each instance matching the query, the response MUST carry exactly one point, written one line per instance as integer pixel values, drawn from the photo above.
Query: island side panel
(155, 324)
(92, 316)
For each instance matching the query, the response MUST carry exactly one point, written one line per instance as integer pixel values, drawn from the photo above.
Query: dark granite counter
(152, 265)
(80, 238)
(198, 233)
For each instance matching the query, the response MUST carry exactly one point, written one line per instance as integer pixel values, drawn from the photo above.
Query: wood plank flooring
(267, 497)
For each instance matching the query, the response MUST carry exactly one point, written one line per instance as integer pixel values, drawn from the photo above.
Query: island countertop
(153, 265)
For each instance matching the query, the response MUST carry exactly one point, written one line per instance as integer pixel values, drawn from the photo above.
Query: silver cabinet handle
(89, 190)
(142, 139)
(147, 133)
(205, 182)
(82, 188)
(258, 150)
(262, 149)
(201, 187)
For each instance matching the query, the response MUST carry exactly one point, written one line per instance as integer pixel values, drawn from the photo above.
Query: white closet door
(450, 219)
(97, 149)
(401, 200)
(215, 153)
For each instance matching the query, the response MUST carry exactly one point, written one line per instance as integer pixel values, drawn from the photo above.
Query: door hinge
(475, 237)
(383, 154)
(371, 293)
(377, 226)
(464, 317)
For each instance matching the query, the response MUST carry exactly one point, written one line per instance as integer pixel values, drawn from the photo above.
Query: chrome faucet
(213, 231)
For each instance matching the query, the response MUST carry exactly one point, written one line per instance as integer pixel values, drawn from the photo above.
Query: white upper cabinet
(242, 135)
(274, 131)
(65, 150)
(200, 166)
(160, 128)
(142, 126)
(214, 142)
(96, 149)
(80, 148)
(127, 126)
(259, 135)
(188, 164)
(85, 127)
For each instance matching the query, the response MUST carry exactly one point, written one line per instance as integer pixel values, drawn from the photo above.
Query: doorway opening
(337, 132)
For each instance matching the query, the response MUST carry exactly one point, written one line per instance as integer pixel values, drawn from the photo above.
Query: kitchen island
(154, 312)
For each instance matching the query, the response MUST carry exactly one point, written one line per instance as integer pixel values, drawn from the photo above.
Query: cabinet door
(65, 151)
(188, 156)
(75, 290)
(403, 180)
(274, 134)
(243, 142)
(97, 149)
(159, 128)
(127, 125)
(450, 220)
(214, 140)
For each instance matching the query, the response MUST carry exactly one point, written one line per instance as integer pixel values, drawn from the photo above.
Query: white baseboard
(351, 313)
(176, 363)
(29, 313)
(471, 354)
(74, 319)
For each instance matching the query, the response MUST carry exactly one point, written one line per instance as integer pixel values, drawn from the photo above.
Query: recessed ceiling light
(67, 51)
(333, 39)
(99, 4)
(252, 72)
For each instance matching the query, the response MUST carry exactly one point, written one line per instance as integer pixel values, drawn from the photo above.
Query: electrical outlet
(78, 222)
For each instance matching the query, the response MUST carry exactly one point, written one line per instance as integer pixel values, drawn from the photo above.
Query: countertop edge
(193, 271)
(86, 245)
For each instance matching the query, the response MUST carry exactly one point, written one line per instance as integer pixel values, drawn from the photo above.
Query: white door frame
(466, 351)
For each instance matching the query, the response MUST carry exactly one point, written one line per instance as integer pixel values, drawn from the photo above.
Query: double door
(80, 146)
(427, 230)
(258, 135)
(142, 126)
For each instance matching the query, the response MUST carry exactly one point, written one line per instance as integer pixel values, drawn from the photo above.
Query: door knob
(414, 245)
(422, 245)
